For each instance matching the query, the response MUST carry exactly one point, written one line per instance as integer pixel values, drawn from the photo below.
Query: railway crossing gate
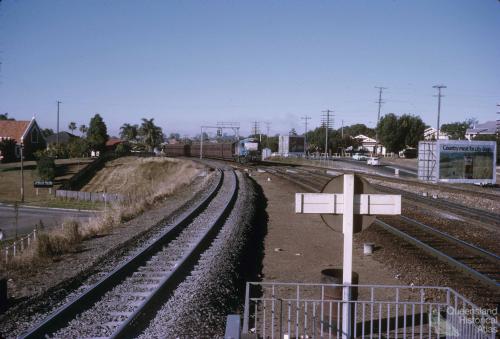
(357, 209)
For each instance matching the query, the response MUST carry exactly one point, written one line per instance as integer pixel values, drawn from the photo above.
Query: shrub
(122, 149)
(46, 168)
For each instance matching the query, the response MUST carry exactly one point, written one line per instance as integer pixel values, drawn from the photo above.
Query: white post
(347, 224)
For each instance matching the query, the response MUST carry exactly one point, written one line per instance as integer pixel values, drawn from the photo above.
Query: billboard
(458, 161)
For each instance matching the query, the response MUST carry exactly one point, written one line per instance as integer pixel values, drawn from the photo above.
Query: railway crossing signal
(357, 208)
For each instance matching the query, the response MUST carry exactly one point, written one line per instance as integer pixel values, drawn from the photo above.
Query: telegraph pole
(268, 127)
(439, 87)
(327, 122)
(380, 102)
(256, 130)
(498, 120)
(57, 135)
(305, 118)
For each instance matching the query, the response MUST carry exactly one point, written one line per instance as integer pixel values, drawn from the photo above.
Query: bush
(7, 150)
(71, 231)
(122, 149)
(49, 245)
(46, 168)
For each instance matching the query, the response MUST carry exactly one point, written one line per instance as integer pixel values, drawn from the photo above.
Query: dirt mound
(143, 176)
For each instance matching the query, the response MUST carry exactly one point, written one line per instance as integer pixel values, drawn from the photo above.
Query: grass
(69, 204)
(10, 180)
(147, 181)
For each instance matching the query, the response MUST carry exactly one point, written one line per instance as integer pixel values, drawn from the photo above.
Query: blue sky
(188, 63)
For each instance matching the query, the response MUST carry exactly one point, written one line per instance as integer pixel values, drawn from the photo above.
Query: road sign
(346, 203)
(43, 184)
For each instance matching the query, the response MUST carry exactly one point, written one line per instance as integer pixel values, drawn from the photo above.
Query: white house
(370, 144)
(488, 128)
(431, 133)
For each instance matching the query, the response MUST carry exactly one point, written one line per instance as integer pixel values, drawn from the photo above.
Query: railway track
(123, 302)
(476, 262)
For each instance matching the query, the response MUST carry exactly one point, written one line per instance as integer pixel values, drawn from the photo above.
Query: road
(28, 217)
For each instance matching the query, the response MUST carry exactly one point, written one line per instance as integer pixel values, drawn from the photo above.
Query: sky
(193, 63)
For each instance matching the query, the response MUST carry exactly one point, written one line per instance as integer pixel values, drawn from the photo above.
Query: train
(242, 151)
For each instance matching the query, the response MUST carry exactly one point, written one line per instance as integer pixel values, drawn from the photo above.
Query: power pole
(327, 122)
(57, 135)
(380, 102)
(268, 127)
(498, 120)
(305, 118)
(439, 87)
(256, 129)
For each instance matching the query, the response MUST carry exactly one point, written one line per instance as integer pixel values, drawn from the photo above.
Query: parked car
(359, 156)
(374, 161)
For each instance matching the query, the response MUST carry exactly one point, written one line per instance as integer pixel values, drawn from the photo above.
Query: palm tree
(83, 129)
(152, 135)
(128, 132)
(72, 126)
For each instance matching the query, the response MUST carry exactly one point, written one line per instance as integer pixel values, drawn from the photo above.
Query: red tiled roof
(113, 142)
(13, 129)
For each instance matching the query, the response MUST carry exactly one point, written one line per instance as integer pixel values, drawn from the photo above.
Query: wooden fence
(89, 196)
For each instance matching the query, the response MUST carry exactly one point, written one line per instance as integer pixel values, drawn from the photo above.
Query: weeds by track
(123, 300)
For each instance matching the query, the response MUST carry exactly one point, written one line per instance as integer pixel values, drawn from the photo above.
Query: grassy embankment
(144, 181)
(10, 184)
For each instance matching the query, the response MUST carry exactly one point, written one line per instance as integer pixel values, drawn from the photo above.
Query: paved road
(28, 217)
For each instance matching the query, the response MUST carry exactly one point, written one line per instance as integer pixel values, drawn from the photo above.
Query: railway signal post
(346, 196)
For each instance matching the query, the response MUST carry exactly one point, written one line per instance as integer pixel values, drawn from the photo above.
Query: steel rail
(133, 324)
(67, 312)
(427, 248)
(439, 254)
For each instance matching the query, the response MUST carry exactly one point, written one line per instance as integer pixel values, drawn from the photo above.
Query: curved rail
(490, 257)
(69, 311)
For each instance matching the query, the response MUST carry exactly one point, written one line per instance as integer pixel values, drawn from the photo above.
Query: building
(26, 133)
(369, 145)
(64, 139)
(431, 134)
(290, 145)
(487, 128)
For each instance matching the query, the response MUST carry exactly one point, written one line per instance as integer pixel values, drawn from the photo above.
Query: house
(370, 145)
(488, 128)
(431, 133)
(112, 143)
(25, 133)
(64, 139)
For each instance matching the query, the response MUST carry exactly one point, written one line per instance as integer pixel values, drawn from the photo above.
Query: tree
(357, 129)
(46, 168)
(128, 132)
(78, 147)
(388, 134)
(5, 116)
(97, 134)
(7, 150)
(396, 133)
(122, 149)
(46, 132)
(152, 135)
(293, 132)
(456, 130)
(72, 126)
(175, 136)
(83, 129)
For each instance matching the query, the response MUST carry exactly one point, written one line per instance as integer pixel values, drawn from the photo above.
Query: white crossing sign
(349, 205)
(370, 204)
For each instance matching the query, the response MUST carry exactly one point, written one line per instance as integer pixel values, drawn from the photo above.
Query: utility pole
(22, 172)
(439, 87)
(327, 122)
(57, 135)
(256, 130)
(305, 118)
(268, 127)
(380, 102)
(498, 120)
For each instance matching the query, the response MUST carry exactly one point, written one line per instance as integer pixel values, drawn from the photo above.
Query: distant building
(290, 145)
(370, 145)
(112, 143)
(487, 128)
(431, 134)
(64, 139)
(26, 133)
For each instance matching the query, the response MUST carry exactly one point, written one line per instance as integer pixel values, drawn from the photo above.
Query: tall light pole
(439, 87)
(57, 135)
(22, 172)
